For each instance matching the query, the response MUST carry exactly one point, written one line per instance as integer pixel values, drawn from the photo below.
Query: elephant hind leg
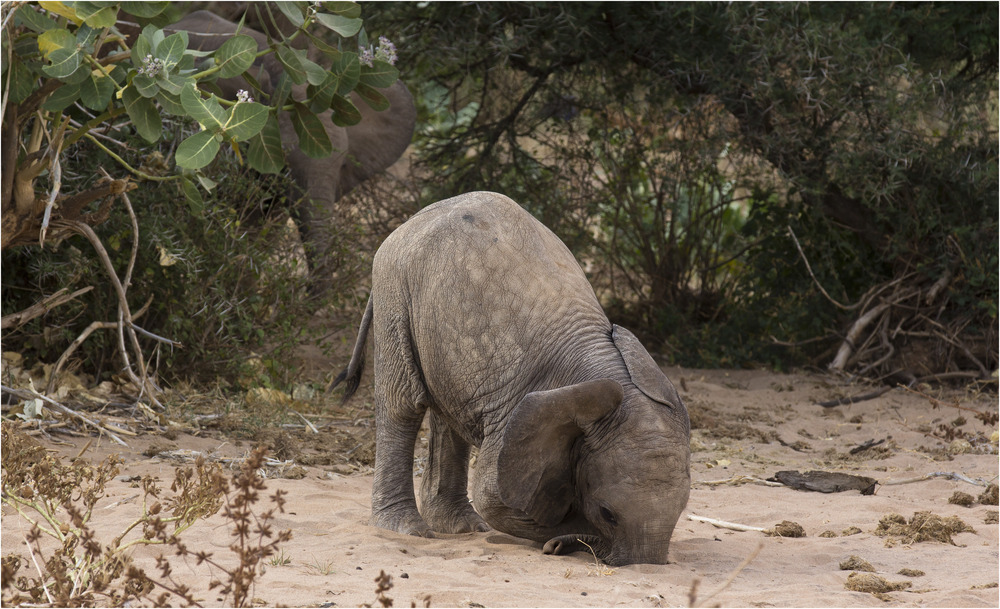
(444, 498)
(400, 404)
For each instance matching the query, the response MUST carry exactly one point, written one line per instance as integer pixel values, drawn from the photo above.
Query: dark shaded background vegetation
(743, 182)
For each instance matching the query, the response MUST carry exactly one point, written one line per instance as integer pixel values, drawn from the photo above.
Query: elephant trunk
(567, 544)
(612, 553)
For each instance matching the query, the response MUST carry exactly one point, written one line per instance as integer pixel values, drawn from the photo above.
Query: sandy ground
(746, 423)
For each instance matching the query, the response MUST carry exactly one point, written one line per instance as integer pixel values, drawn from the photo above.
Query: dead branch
(811, 274)
(939, 285)
(903, 331)
(949, 475)
(24, 227)
(847, 347)
(854, 399)
(26, 394)
(94, 326)
(722, 524)
(124, 324)
(16, 320)
(936, 402)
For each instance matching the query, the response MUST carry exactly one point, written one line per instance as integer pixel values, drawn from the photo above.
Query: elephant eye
(608, 516)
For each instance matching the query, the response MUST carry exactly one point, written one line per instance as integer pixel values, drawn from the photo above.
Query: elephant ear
(534, 468)
(643, 371)
(380, 138)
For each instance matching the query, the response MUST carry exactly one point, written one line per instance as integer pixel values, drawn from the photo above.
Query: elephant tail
(352, 374)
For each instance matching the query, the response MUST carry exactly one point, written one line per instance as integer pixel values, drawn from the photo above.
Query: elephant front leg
(444, 498)
(394, 505)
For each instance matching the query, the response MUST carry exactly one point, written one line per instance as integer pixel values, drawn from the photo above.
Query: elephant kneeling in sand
(482, 316)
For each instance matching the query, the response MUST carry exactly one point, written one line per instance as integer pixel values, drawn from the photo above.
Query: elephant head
(606, 462)
(359, 151)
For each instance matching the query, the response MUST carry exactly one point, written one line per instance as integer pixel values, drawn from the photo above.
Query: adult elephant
(359, 151)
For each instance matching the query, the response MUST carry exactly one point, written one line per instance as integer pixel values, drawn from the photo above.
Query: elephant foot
(408, 523)
(458, 517)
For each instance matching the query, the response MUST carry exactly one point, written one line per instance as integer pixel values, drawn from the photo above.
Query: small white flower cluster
(243, 96)
(151, 66)
(386, 52)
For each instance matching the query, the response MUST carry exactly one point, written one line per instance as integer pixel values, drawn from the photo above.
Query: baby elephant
(482, 317)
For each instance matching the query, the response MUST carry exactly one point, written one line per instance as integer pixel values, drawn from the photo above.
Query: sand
(748, 424)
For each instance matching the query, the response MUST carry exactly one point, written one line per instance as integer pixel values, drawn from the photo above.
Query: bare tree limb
(43, 306)
(29, 394)
(97, 325)
(811, 274)
(847, 347)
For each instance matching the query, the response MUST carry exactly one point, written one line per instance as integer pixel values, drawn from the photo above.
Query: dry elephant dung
(874, 584)
(960, 498)
(787, 528)
(989, 496)
(825, 482)
(856, 563)
(924, 526)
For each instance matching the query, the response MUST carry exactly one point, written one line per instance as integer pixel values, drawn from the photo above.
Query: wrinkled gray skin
(483, 318)
(359, 151)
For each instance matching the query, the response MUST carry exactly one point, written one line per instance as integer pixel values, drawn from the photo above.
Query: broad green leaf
(315, 73)
(345, 113)
(281, 91)
(186, 62)
(293, 64)
(34, 20)
(172, 48)
(236, 55)
(141, 48)
(143, 113)
(64, 63)
(96, 91)
(79, 75)
(265, 153)
(321, 96)
(345, 26)
(254, 85)
(61, 98)
(373, 97)
(145, 85)
(119, 73)
(171, 104)
(208, 112)
(86, 36)
(322, 46)
(207, 183)
(293, 10)
(22, 83)
(313, 139)
(174, 83)
(146, 10)
(54, 40)
(380, 75)
(61, 9)
(349, 69)
(191, 195)
(197, 151)
(98, 17)
(351, 10)
(246, 120)
(153, 35)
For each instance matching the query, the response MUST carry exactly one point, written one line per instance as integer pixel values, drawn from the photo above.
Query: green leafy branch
(66, 59)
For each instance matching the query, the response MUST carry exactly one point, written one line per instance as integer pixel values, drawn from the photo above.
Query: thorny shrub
(57, 500)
